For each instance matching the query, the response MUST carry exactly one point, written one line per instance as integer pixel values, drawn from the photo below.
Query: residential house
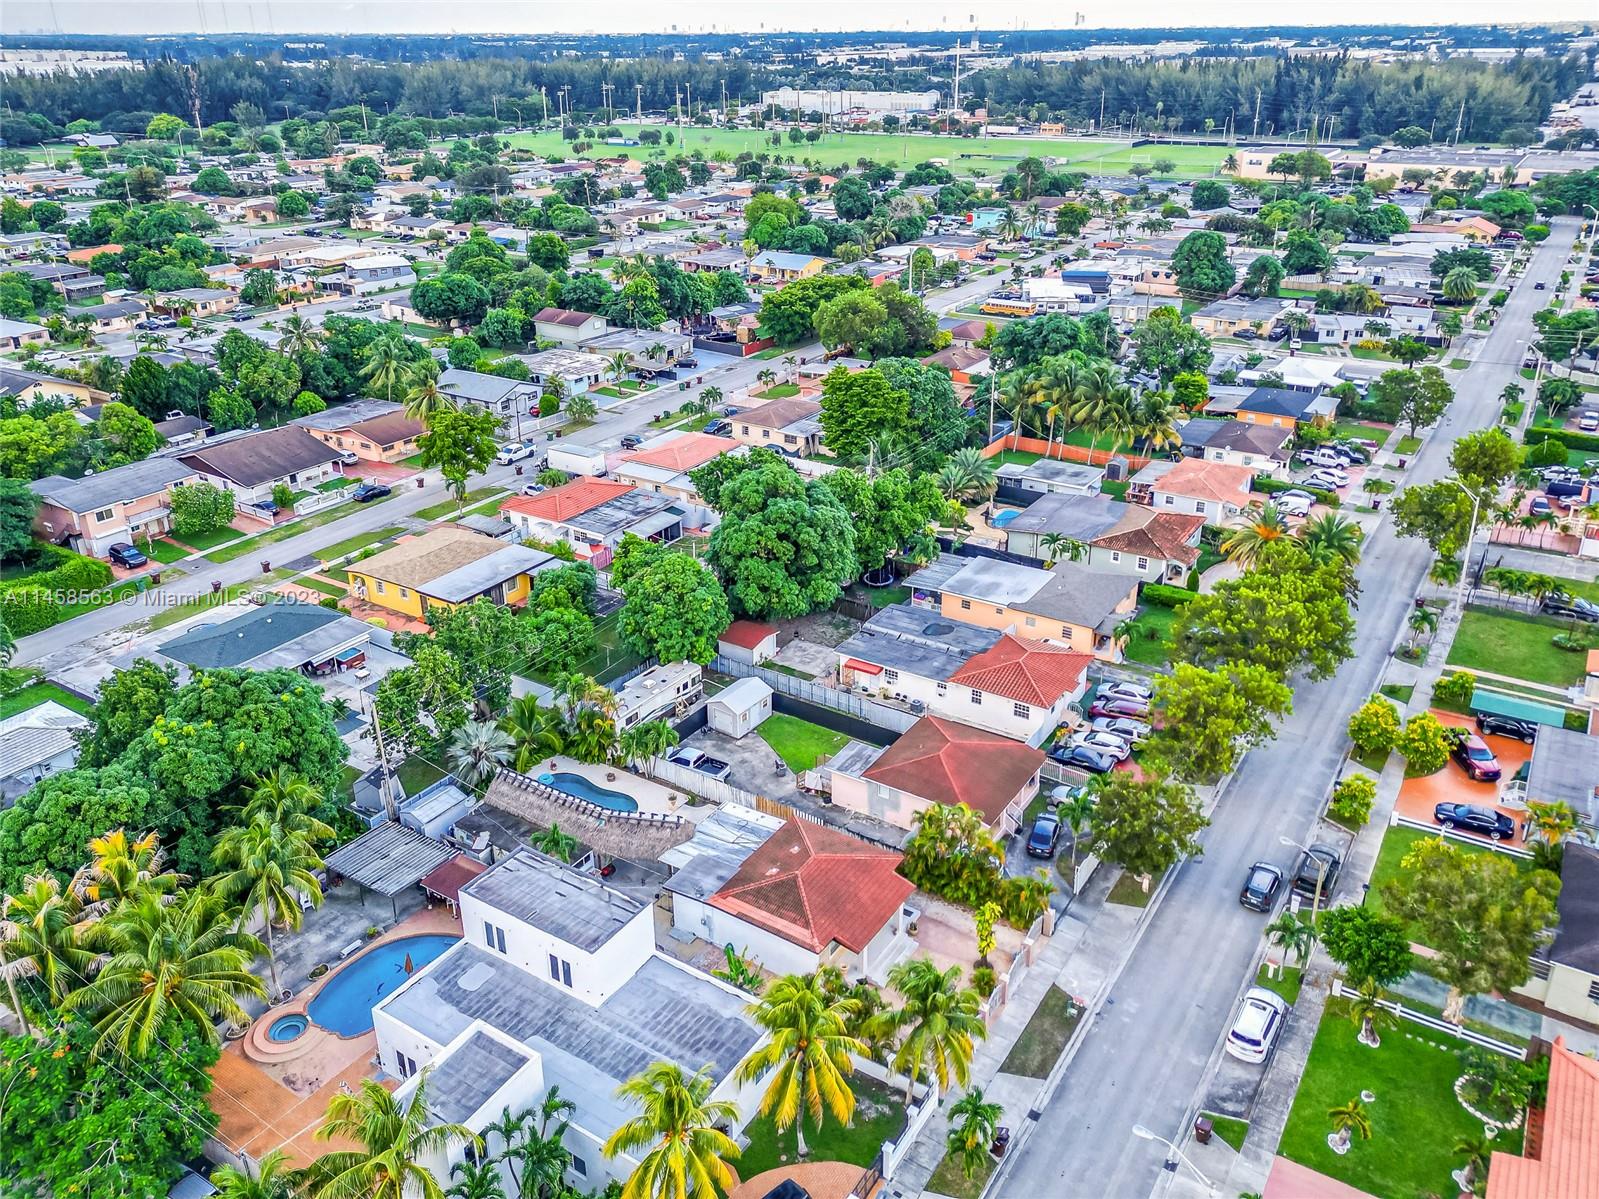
(1259, 447)
(252, 465)
(70, 280)
(576, 371)
(1562, 1160)
(277, 636)
(84, 255)
(14, 247)
(790, 425)
(593, 515)
(27, 387)
(778, 266)
(197, 301)
(1287, 408)
(557, 985)
(962, 362)
(506, 398)
(372, 430)
(36, 743)
(1071, 605)
(645, 349)
(978, 676)
(1213, 490)
(373, 272)
(1565, 973)
(180, 431)
(748, 641)
(1109, 535)
(244, 210)
(113, 316)
(98, 511)
(1224, 318)
(664, 464)
(716, 258)
(567, 327)
(935, 762)
(1048, 476)
(16, 334)
(447, 567)
(805, 897)
(964, 331)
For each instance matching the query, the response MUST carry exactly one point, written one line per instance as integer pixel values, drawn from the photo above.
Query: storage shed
(748, 641)
(740, 708)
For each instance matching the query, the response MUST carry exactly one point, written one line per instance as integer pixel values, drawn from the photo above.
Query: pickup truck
(704, 763)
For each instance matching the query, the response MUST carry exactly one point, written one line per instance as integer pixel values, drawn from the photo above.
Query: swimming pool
(1004, 516)
(344, 1004)
(582, 788)
(287, 1028)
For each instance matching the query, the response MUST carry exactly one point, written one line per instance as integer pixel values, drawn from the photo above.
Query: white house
(557, 983)
(566, 326)
(577, 372)
(36, 744)
(1214, 490)
(252, 465)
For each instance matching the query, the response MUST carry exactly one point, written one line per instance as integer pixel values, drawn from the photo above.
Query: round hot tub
(288, 1028)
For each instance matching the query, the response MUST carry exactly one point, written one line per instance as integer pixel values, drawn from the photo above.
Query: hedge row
(1163, 596)
(33, 603)
(1269, 486)
(1572, 439)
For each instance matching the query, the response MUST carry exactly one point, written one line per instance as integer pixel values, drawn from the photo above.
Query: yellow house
(447, 567)
(779, 266)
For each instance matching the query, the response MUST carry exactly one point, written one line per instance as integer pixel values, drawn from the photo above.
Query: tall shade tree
(808, 1054)
(185, 959)
(41, 936)
(267, 868)
(687, 1153)
(938, 1020)
(395, 1138)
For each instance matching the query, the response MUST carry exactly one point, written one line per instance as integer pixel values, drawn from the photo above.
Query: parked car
(1322, 455)
(350, 458)
(368, 492)
(1260, 887)
(1109, 743)
(1474, 756)
(1588, 422)
(532, 488)
(1291, 505)
(1113, 706)
(1318, 861)
(1296, 493)
(515, 451)
(1080, 756)
(1123, 726)
(1350, 452)
(1257, 1026)
(687, 755)
(1486, 822)
(718, 427)
(1125, 689)
(1330, 478)
(632, 441)
(126, 554)
(1539, 506)
(1507, 726)
(1538, 286)
(1044, 837)
(1574, 606)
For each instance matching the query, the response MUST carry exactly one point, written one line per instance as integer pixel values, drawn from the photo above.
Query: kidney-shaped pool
(344, 1004)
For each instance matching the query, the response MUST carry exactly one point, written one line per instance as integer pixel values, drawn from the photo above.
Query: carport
(388, 860)
(1497, 703)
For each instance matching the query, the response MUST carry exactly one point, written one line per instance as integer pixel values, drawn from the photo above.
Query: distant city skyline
(633, 16)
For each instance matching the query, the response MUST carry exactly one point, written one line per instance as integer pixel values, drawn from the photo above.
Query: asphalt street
(1147, 1052)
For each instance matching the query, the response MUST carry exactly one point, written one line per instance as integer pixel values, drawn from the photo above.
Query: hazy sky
(613, 16)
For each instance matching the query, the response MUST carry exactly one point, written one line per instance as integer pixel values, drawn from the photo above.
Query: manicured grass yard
(1128, 890)
(950, 1179)
(1512, 643)
(799, 742)
(448, 507)
(1396, 843)
(1149, 640)
(883, 597)
(359, 542)
(35, 694)
(194, 607)
(1398, 691)
(415, 774)
(163, 551)
(1415, 1118)
(1407, 446)
(322, 585)
(1014, 458)
(1287, 985)
(1228, 1129)
(207, 541)
(778, 391)
(1044, 1037)
(879, 1117)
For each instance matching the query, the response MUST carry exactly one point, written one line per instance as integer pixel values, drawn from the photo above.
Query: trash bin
(519, 471)
(1202, 1130)
(421, 482)
(216, 586)
(266, 567)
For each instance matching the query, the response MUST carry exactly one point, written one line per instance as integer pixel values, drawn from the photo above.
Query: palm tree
(1349, 1119)
(475, 1180)
(1552, 822)
(1423, 622)
(534, 730)
(1010, 227)
(186, 959)
(395, 1139)
(1296, 321)
(1367, 1013)
(619, 363)
(766, 376)
(808, 1054)
(1075, 813)
(424, 399)
(646, 740)
(288, 800)
(581, 408)
(941, 1022)
(560, 846)
(41, 935)
(1263, 525)
(272, 1179)
(387, 363)
(968, 474)
(512, 1129)
(478, 749)
(710, 397)
(120, 869)
(1476, 1150)
(299, 337)
(1230, 163)
(1295, 933)
(1511, 393)
(973, 1122)
(269, 869)
(891, 451)
(1331, 538)
(682, 1127)
(1154, 421)
(1060, 547)
(1460, 285)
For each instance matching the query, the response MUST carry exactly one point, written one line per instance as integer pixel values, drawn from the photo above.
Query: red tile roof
(683, 452)
(814, 885)
(948, 763)
(447, 880)
(1149, 534)
(1030, 672)
(747, 634)
(1198, 479)
(567, 501)
(1567, 1164)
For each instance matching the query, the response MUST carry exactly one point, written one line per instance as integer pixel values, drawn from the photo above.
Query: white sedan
(1104, 742)
(1124, 727)
(1329, 477)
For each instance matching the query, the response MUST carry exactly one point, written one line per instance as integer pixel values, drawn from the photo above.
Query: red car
(1110, 705)
(1475, 758)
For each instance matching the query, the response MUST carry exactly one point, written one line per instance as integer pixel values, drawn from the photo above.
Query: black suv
(1041, 842)
(1260, 887)
(1320, 860)
(126, 555)
(1507, 726)
(1561, 604)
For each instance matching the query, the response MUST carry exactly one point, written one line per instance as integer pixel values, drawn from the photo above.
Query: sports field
(966, 155)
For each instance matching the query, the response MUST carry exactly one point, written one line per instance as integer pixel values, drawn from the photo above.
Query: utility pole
(955, 103)
(724, 100)
(1254, 133)
(638, 100)
(677, 108)
(1101, 127)
(1460, 119)
(689, 87)
(494, 106)
(545, 97)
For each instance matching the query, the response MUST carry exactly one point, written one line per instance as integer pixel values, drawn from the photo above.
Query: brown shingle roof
(417, 561)
(1146, 533)
(775, 414)
(262, 457)
(567, 317)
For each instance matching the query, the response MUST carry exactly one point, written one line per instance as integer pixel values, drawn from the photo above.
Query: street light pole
(1321, 876)
(1146, 1134)
(1471, 536)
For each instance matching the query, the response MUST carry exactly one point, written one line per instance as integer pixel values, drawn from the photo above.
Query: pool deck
(264, 1100)
(652, 798)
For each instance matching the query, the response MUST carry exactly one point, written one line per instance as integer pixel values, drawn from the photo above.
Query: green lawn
(799, 742)
(1044, 1038)
(950, 1179)
(322, 585)
(1115, 488)
(1400, 692)
(415, 774)
(170, 615)
(879, 1117)
(1513, 644)
(1231, 1130)
(208, 541)
(163, 551)
(1396, 843)
(448, 507)
(1014, 458)
(883, 597)
(1287, 986)
(1415, 1117)
(38, 693)
(778, 391)
(1128, 890)
(1149, 641)
(359, 542)
(1407, 446)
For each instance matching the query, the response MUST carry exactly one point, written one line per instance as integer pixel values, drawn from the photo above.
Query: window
(1030, 622)
(1115, 556)
(1143, 564)
(493, 936)
(966, 605)
(1593, 991)
(977, 698)
(766, 434)
(405, 1065)
(579, 1166)
(1021, 711)
(405, 593)
(561, 970)
(744, 429)
(1540, 967)
(105, 514)
(381, 590)
(1169, 500)
(890, 676)
(943, 688)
